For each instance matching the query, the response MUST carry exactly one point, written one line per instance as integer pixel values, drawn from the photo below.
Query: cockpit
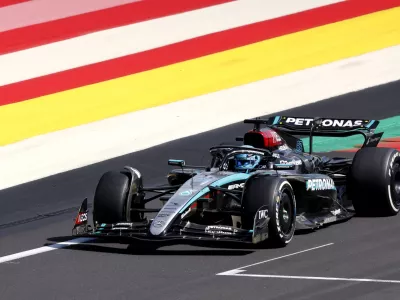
(241, 158)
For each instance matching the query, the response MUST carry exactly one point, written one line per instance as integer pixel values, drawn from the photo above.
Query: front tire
(374, 182)
(277, 194)
(109, 204)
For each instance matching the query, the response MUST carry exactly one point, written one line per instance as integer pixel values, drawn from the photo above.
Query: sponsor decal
(169, 207)
(163, 215)
(325, 122)
(82, 217)
(120, 226)
(276, 155)
(158, 223)
(218, 229)
(320, 184)
(293, 162)
(278, 225)
(236, 186)
(263, 214)
(283, 166)
(373, 140)
(186, 193)
(283, 147)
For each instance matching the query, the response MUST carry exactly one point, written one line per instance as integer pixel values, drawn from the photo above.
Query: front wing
(187, 232)
(184, 231)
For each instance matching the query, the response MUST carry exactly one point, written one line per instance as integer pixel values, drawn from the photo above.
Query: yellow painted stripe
(200, 76)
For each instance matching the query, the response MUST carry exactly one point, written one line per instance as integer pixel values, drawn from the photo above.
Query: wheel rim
(286, 213)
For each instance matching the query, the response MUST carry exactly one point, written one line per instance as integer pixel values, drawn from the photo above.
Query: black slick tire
(374, 182)
(109, 204)
(277, 194)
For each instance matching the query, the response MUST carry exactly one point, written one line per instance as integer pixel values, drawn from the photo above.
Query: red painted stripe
(58, 30)
(4, 3)
(395, 145)
(386, 143)
(36, 12)
(189, 49)
(392, 139)
(348, 150)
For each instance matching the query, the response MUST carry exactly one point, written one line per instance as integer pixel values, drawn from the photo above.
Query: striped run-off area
(73, 64)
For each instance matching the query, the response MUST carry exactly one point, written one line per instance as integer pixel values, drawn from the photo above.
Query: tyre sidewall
(393, 170)
(109, 203)
(275, 204)
(266, 190)
(371, 181)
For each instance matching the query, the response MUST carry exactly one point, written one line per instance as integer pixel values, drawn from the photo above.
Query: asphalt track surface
(41, 212)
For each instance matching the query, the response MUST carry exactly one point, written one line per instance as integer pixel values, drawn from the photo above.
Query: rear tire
(374, 182)
(277, 194)
(109, 204)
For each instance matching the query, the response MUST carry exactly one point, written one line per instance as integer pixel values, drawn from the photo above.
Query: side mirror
(176, 162)
(284, 167)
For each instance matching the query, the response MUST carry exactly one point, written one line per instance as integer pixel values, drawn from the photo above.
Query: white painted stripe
(44, 249)
(318, 278)
(39, 11)
(121, 41)
(239, 270)
(83, 145)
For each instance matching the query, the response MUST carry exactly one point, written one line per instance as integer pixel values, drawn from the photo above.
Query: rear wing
(316, 126)
(324, 125)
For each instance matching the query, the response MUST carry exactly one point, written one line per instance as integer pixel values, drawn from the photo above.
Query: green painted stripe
(390, 127)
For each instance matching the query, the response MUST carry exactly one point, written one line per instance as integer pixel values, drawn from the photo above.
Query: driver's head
(245, 161)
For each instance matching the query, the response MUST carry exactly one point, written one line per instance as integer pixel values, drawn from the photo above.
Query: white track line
(238, 270)
(44, 249)
(318, 278)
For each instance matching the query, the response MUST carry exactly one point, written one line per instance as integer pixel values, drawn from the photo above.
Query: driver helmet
(246, 161)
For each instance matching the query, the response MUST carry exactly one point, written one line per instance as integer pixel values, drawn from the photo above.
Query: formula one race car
(262, 190)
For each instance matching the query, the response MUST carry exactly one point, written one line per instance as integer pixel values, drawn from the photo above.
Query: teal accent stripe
(276, 120)
(222, 181)
(370, 124)
(230, 178)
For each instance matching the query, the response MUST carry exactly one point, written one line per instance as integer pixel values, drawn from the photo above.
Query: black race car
(262, 190)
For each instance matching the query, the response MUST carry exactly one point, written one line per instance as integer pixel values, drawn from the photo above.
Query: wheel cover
(286, 213)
